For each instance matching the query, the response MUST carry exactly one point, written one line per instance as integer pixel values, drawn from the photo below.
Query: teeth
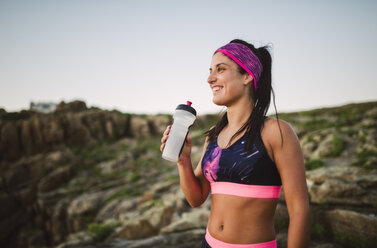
(216, 88)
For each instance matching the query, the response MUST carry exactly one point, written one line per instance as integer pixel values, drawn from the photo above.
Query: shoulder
(275, 132)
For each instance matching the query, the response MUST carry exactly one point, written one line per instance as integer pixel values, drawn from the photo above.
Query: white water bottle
(184, 117)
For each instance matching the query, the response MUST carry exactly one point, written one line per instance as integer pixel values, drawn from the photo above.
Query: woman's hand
(185, 155)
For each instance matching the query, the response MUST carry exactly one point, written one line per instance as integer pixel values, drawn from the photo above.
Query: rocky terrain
(86, 177)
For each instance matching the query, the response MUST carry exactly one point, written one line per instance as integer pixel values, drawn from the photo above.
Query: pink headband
(245, 58)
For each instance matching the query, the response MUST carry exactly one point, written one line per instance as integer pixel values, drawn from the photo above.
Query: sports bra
(233, 171)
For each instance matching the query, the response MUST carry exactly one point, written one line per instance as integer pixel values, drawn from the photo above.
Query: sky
(149, 56)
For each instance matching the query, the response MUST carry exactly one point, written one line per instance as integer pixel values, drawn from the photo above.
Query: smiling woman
(245, 176)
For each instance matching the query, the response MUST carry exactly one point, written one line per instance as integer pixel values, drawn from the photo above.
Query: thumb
(188, 140)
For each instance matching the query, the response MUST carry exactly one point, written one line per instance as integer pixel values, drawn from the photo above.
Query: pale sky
(150, 56)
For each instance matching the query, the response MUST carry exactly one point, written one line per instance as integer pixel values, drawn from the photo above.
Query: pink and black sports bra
(233, 171)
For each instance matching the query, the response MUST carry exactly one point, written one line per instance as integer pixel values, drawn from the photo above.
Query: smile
(216, 88)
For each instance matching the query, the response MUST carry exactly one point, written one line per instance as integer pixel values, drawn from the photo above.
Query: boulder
(83, 209)
(55, 179)
(196, 219)
(342, 185)
(74, 106)
(147, 225)
(352, 226)
(186, 239)
(159, 123)
(52, 132)
(10, 149)
(139, 127)
(75, 131)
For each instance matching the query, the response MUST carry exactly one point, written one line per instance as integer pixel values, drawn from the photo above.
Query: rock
(52, 132)
(32, 237)
(324, 147)
(196, 219)
(59, 218)
(281, 239)
(127, 205)
(162, 187)
(75, 106)
(159, 123)
(78, 240)
(352, 225)
(281, 217)
(83, 206)
(75, 131)
(121, 124)
(187, 239)
(139, 127)
(342, 185)
(107, 211)
(27, 138)
(9, 146)
(46, 202)
(56, 178)
(146, 225)
(146, 198)
(325, 245)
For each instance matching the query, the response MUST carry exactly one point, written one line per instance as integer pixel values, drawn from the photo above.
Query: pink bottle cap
(189, 103)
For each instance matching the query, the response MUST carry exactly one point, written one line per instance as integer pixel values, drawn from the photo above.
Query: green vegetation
(375, 205)
(314, 163)
(101, 231)
(316, 124)
(337, 147)
(149, 205)
(281, 225)
(355, 241)
(127, 193)
(172, 178)
(133, 177)
(144, 145)
(347, 115)
(317, 229)
(365, 159)
(95, 153)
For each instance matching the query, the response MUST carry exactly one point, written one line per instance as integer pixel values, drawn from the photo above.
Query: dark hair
(261, 98)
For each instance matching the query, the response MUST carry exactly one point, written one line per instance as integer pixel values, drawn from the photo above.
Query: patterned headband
(245, 58)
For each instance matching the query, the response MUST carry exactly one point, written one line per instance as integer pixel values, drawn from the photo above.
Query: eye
(220, 69)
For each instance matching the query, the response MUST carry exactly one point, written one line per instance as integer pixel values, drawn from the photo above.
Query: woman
(247, 157)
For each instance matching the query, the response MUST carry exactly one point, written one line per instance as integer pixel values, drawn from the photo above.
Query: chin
(218, 102)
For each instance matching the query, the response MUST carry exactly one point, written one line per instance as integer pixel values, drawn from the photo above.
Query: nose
(211, 78)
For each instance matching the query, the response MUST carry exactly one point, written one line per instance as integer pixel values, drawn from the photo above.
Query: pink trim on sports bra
(220, 244)
(245, 190)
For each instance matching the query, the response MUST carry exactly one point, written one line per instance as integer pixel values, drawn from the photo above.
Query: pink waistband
(214, 243)
(245, 190)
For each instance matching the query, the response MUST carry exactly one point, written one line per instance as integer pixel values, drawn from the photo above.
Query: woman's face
(227, 84)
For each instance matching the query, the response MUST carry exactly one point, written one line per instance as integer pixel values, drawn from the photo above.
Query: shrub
(101, 231)
(314, 163)
(337, 147)
(317, 229)
(363, 158)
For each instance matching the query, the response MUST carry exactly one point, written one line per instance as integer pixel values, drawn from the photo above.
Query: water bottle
(184, 117)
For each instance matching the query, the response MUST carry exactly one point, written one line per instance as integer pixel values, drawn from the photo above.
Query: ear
(247, 79)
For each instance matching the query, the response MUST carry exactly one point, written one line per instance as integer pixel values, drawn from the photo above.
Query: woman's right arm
(193, 183)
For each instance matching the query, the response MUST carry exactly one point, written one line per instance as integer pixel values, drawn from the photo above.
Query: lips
(216, 88)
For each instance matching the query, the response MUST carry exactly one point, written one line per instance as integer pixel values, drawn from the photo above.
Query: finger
(188, 140)
(162, 147)
(164, 138)
(167, 130)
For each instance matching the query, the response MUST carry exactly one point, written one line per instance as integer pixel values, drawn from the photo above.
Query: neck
(238, 114)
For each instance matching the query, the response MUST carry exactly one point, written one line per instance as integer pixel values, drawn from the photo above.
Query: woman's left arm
(289, 160)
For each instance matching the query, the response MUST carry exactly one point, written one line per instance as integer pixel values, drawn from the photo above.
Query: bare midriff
(242, 220)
